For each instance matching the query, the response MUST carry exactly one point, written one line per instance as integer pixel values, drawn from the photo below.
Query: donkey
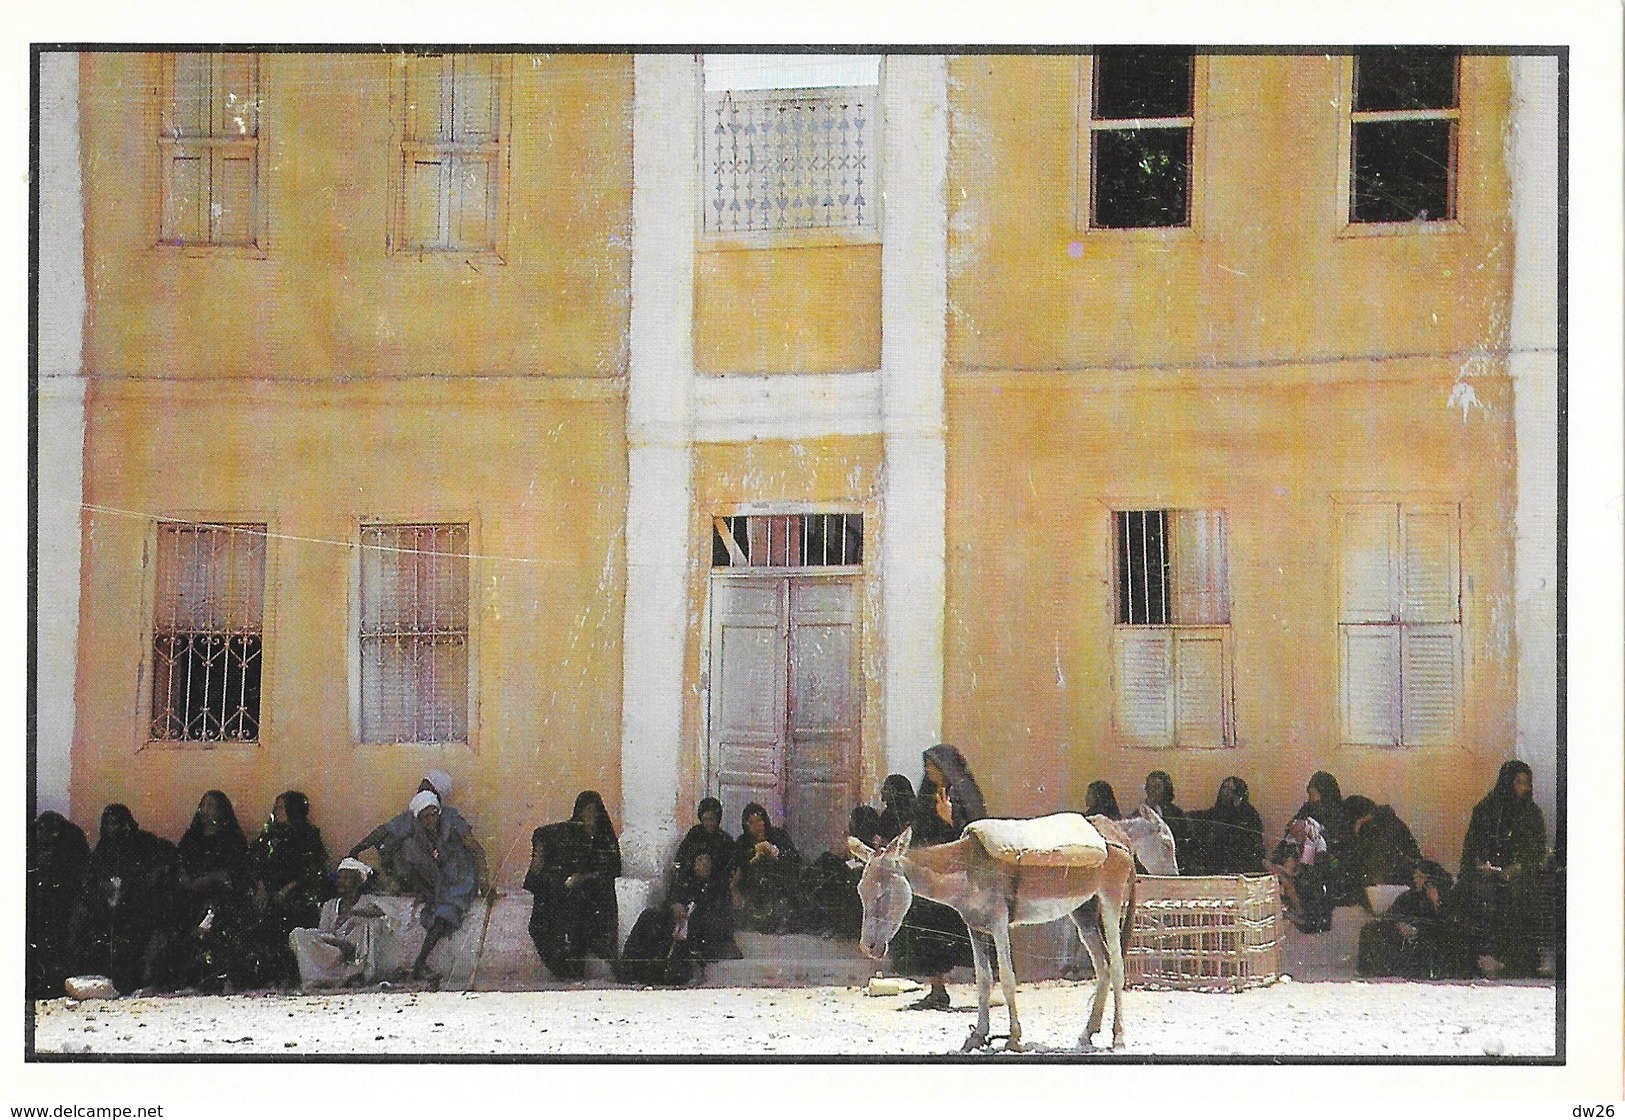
(991, 896)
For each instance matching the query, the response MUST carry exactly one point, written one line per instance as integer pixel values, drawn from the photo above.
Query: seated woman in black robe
(288, 864)
(1383, 850)
(829, 902)
(897, 807)
(1227, 839)
(212, 919)
(117, 924)
(766, 869)
(708, 835)
(933, 937)
(1503, 880)
(1159, 794)
(1325, 804)
(573, 868)
(57, 857)
(1416, 938)
(692, 925)
(1100, 800)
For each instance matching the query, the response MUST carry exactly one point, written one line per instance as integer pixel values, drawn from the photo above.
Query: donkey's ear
(900, 845)
(859, 851)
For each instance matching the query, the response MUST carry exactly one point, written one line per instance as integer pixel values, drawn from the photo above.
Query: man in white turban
(354, 939)
(389, 837)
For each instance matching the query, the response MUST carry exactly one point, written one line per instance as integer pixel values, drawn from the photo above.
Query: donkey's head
(885, 893)
(1153, 841)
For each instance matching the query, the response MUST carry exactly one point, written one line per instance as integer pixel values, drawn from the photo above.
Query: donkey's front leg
(984, 983)
(1111, 930)
(1007, 978)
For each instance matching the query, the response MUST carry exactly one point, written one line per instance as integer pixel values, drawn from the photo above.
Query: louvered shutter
(1201, 718)
(1371, 684)
(1145, 695)
(1370, 574)
(1431, 576)
(1432, 676)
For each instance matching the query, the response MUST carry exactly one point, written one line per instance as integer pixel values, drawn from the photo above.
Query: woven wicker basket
(1215, 933)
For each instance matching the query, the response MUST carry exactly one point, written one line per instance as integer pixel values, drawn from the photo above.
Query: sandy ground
(1377, 1019)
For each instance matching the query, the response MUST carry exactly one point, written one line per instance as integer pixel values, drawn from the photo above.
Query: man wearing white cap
(354, 941)
(439, 868)
(389, 837)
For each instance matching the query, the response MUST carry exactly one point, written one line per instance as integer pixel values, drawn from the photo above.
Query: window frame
(800, 237)
(396, 240)
(1083, 177)
(356, 621)
(168, 145)
(1176, 633)
(147, 666)
(1403, 623)
(1346, 225)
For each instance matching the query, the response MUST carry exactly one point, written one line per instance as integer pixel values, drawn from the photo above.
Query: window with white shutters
(1172, 635)
(414, 633)
(451, 159)
(209, 142)
(1399, 631)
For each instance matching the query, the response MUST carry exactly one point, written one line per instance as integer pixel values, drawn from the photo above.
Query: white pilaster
(914, 167)
(61, 389)
(665, 201)
(1534, 157)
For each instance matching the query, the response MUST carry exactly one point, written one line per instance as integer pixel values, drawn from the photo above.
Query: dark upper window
(1141, 122)
(1402, 165)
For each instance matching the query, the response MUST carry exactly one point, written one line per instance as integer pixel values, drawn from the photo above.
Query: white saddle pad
(1058, 840)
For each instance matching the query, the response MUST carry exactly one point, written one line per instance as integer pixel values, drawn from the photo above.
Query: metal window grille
(781, 160)
(1173, 568)
(209, 139)
(208, 633)
(797, 540)
(1404, 122)
(414, 633)
(1142, 567)
(451, 153)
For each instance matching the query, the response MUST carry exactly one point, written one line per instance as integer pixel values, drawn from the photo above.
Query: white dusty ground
(1382, 1019)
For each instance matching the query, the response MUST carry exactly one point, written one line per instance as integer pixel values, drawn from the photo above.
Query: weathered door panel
(822, 711)
(748, 633)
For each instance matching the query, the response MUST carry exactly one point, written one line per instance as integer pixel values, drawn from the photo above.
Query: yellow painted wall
(1260, 363)
(328, 300)
(799, 309)
(812, 475)
(330, 382)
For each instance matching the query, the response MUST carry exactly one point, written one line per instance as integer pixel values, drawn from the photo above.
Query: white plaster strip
(1533, 154)
(659, 468)
(60, 469)
(913, 351)
(738, 408)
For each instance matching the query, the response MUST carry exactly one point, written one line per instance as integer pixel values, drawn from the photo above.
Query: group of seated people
(218, 912)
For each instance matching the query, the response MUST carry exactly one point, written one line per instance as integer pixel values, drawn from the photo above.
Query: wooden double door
(785, 706)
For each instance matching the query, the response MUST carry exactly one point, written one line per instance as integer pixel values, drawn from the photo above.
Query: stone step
(1330, 955)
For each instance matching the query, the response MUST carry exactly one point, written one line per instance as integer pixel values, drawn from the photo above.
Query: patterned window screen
(790, 143)
(1172, 641)
(208, 633)
(414, 633)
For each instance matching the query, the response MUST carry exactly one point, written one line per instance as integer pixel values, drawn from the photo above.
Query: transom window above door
(787, 540)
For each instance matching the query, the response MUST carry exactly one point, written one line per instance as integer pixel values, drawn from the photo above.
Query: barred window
(209, 142)
(1172, 640)
(208, 633)
(1399, 627)
(1141, 124)
(451, 153)
(789, 143)
(1406, 111)
(797, 540)
(414, 633)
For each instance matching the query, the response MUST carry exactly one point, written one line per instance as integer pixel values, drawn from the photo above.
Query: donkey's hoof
(976, 1041)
